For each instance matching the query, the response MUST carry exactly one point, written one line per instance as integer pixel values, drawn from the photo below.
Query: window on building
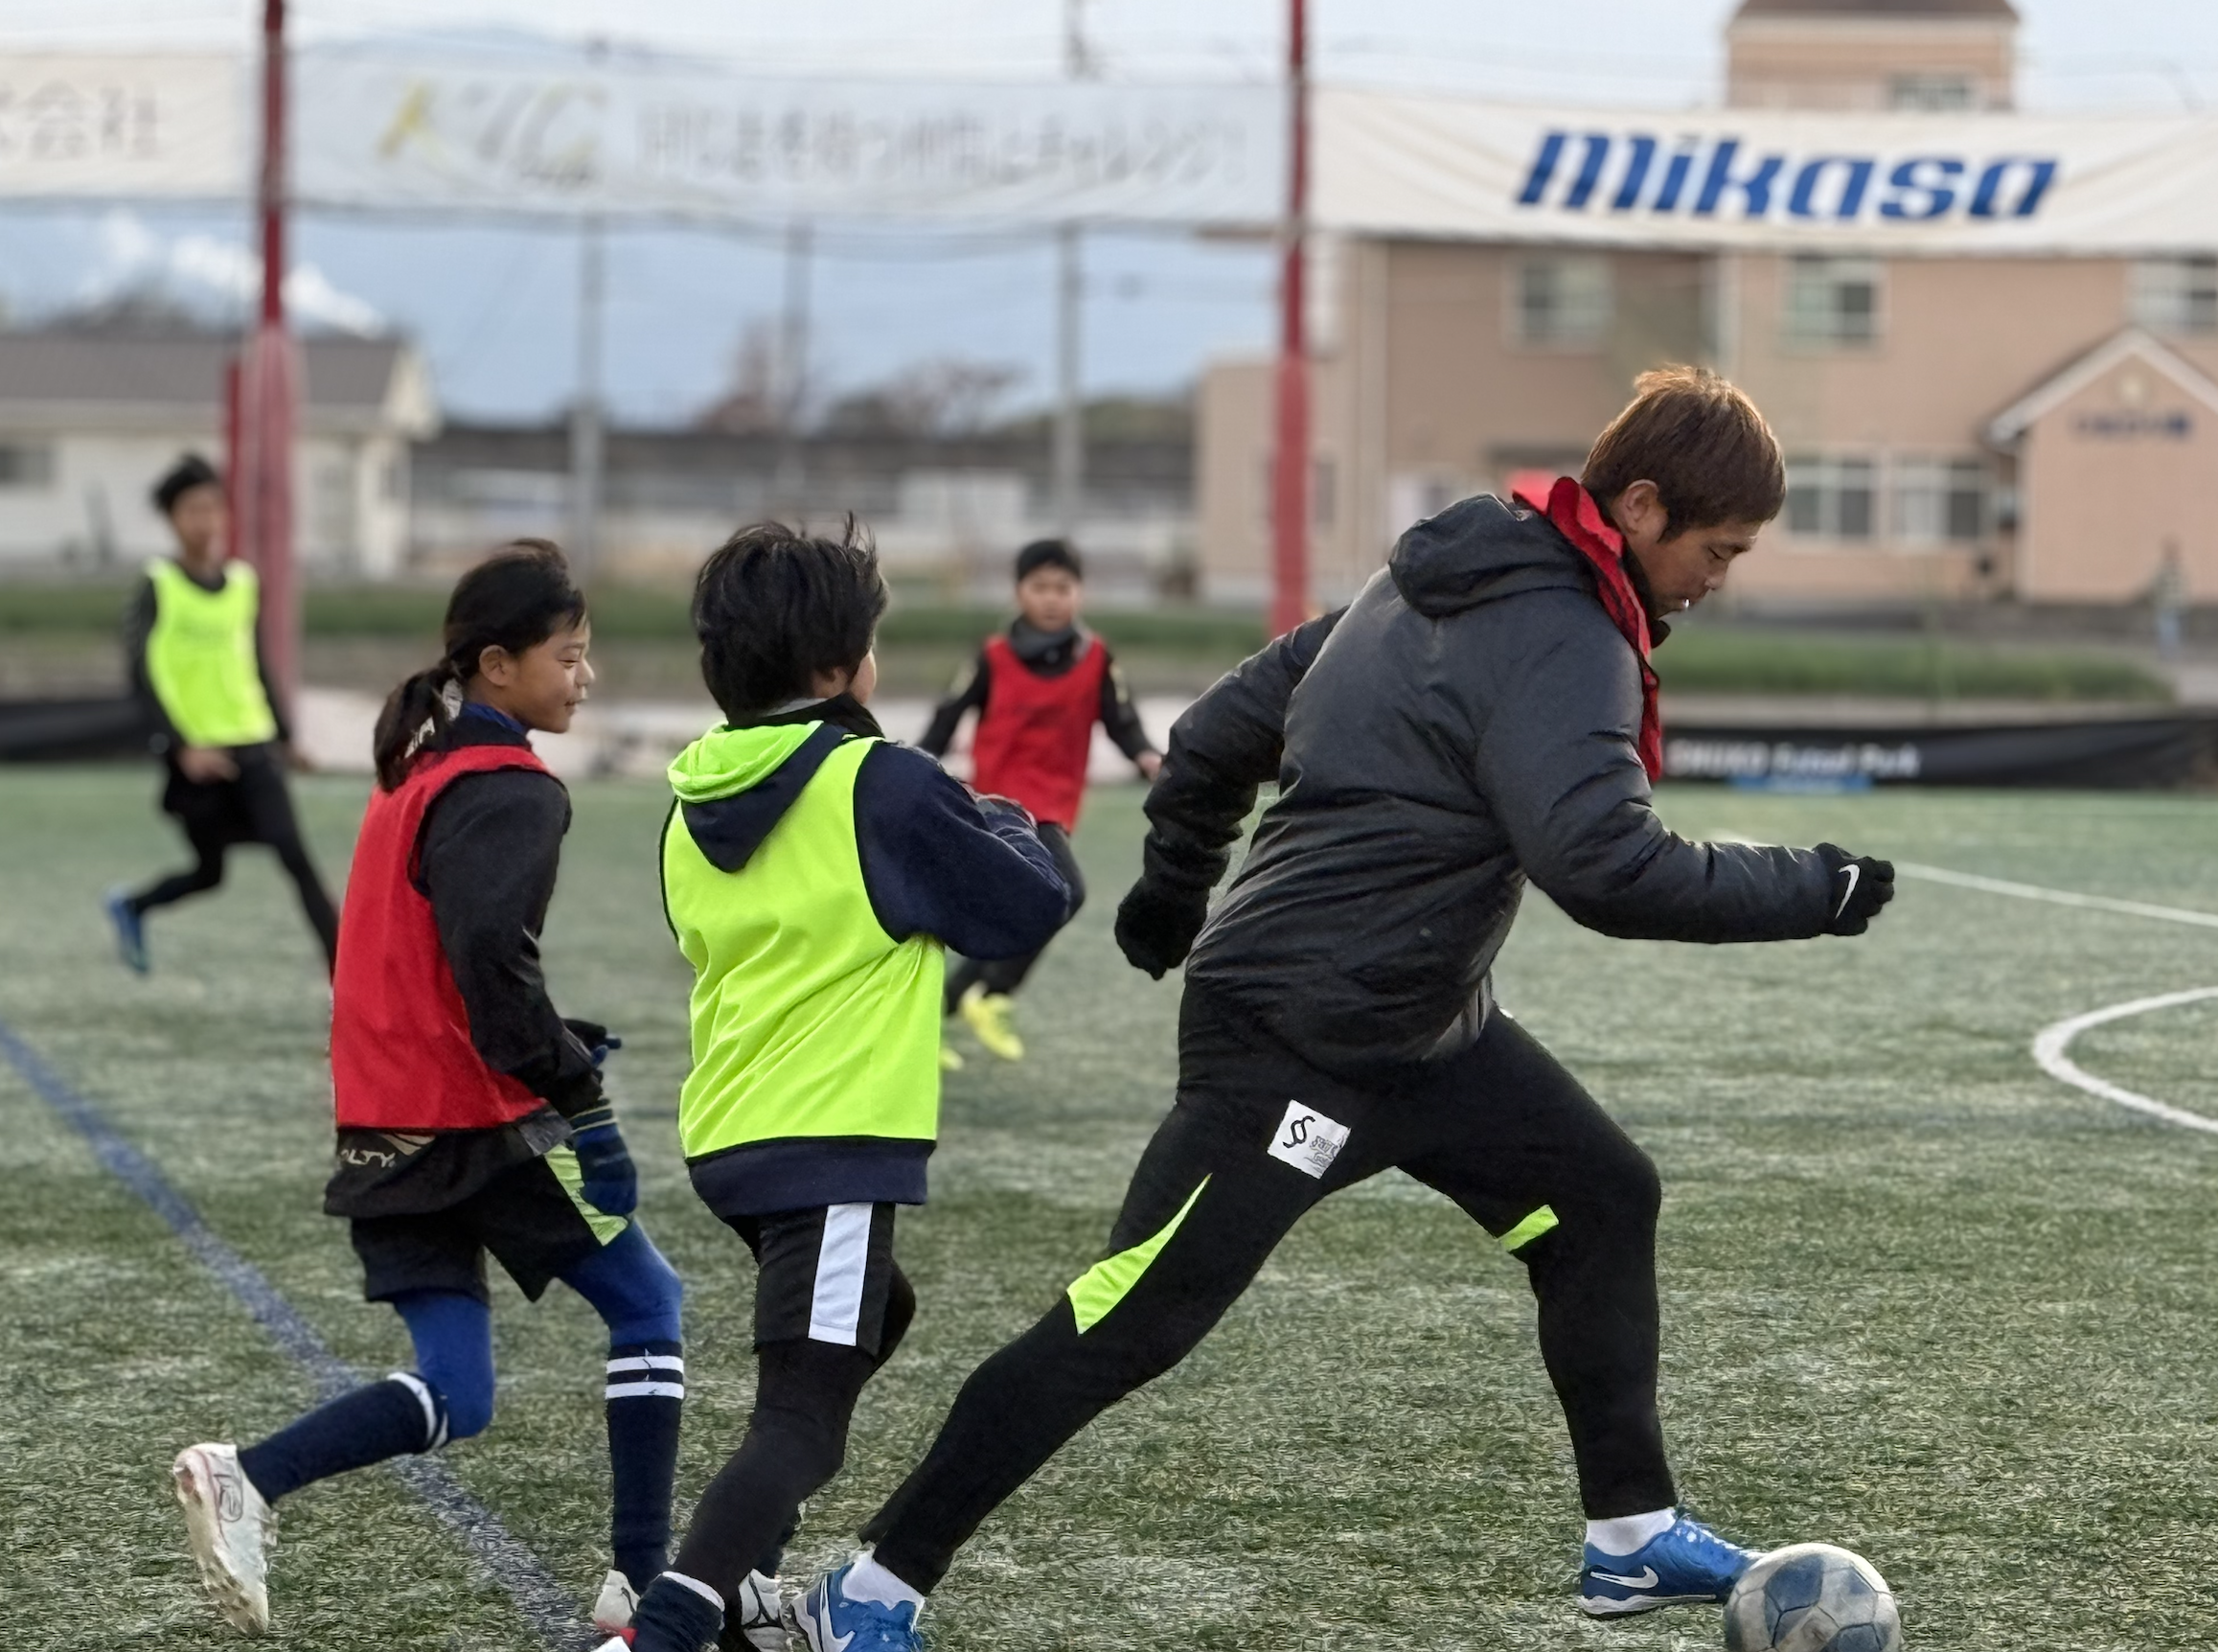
(25, 464)
(1936, 500)
(1935, 92)
(1832, 301)
(1561, 302)
(1831, 496)
(2177, 296)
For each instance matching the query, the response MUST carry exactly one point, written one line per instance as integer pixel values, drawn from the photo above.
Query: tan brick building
(2015, 424)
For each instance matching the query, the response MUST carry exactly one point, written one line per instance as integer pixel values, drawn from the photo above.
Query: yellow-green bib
(201, 659)
(809, 1019)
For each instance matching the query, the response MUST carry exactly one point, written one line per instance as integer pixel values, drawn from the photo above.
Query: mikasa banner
(440, 134)
(1396, 163)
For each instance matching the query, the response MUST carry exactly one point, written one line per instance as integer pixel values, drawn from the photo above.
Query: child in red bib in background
(1038, 688)
(470, 1115)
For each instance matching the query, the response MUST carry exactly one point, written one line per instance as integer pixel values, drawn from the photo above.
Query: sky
(498, 321)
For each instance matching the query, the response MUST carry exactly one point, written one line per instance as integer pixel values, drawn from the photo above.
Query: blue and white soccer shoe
(1687, 1563)
(831, 1622)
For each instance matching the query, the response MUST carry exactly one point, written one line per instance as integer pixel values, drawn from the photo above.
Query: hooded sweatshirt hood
(734, 785)
(1480, 550)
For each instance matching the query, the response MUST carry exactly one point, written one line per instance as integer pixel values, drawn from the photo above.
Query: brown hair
(1701, 441)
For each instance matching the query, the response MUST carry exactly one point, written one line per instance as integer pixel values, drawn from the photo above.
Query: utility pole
(1289, 464)
(1069, 463)
(585, 419)
(268, 390)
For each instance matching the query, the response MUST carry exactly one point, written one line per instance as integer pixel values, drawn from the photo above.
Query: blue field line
(545, 1605)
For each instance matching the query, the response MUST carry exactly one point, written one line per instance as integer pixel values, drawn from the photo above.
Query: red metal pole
(270, 195)
(1290, 465)
(233, 463)
(269, 388)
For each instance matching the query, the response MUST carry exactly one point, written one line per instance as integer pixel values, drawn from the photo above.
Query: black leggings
(796, 1440)
(1502, 1129)
(1007, 975)
(261, 796)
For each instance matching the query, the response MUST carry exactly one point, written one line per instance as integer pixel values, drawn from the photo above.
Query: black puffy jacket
(1467, 723)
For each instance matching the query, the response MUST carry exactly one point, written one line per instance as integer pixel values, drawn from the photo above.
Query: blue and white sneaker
(130, 931)
(1687, 1563)
(831, 1622)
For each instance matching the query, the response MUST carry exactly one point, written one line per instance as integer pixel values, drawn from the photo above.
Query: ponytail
(515, 600)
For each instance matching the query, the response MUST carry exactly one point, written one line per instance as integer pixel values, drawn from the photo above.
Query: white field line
(2056, 897)
(2050, 1046)
(2051, 1043)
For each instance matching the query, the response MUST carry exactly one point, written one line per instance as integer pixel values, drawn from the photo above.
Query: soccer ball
(1812, 1597)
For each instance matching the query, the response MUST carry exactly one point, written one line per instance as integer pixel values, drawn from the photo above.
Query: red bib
(400, 1054)
(1036, 734)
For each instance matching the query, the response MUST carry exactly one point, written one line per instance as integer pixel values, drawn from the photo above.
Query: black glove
(610, 1183)
(597, 1039)
(1156, 927)
(1859, 887)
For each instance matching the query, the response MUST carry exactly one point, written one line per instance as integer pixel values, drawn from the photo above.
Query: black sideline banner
(2176, 749)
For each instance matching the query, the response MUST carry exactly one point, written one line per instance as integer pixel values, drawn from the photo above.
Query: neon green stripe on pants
(1530, 1228)
(1110, 1281)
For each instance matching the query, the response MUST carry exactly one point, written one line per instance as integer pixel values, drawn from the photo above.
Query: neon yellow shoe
(989, 1017)
(951, 1059)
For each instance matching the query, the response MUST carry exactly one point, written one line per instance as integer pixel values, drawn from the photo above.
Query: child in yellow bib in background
(194, 647)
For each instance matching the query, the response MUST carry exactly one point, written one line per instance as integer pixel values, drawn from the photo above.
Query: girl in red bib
(470, 1115)
(1038, 688)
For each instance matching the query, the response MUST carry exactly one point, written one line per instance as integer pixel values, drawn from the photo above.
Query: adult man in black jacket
(1482, 714)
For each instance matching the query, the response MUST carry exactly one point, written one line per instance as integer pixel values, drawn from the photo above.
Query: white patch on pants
(835, 1309)
(1307, 1140)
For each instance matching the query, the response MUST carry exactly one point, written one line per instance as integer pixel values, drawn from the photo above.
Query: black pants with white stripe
(1502, 1129)
(831, 1307)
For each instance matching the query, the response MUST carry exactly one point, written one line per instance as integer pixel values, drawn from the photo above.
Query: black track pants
(1007, 975)
(265, 803)
(1500, 1129)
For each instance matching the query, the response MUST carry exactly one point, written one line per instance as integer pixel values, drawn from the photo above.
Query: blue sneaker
(130, 931)
(1687, 1563)
(831, 1622)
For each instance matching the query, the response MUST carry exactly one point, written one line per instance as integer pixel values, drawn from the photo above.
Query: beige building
(2004, 425)
(90, 417)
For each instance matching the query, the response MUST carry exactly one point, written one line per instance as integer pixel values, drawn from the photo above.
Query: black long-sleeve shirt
(486, 858)
(1049, 657)
(138, 626)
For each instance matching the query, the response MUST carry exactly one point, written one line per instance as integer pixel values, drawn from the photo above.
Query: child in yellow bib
(195, 649)
(813, 874)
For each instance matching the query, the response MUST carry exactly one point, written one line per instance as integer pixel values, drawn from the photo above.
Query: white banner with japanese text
(427, 134)
(110, 125)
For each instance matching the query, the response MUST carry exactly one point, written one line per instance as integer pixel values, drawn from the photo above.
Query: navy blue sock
(672, 1618)
(387, 1420)
(645, 1395)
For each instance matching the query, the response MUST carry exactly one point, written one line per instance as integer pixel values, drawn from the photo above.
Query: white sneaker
(762, 1614)
(231, 1531)
(618, 1602)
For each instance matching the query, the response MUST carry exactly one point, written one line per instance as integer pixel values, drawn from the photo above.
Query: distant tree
(942, 396)
(1111, 419)
(752, 405)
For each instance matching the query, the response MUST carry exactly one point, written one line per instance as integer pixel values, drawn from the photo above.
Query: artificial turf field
(1919, 1298)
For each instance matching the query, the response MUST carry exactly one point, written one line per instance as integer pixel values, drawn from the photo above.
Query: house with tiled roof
(94, 409)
